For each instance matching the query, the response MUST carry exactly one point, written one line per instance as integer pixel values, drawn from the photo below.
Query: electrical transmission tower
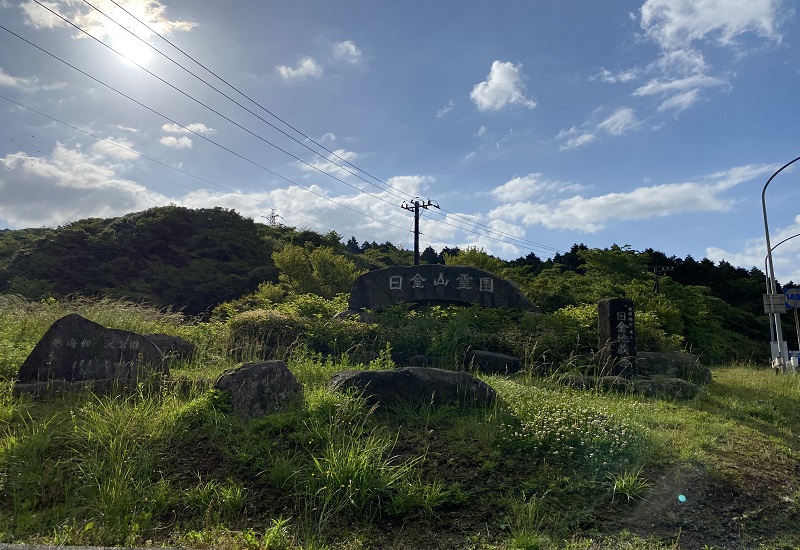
(273, 217)
(414, 206)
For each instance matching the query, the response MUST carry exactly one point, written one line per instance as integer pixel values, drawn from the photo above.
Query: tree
(476, 258)
(352, 246)
(308, 270)
(429, 256)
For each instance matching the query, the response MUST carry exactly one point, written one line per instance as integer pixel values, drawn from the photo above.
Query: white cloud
(347, 51)
(27, 84)
(115, 148)
(503, 87)
(301, 208)
(151, 12)
(306, 67)
(574, 137)
(182, 142)
(620, 121)
(333, 164)
(681, 28)
(66, 185)
(680, 102)
(521, 188)
(196, 127)
(786, 246)
(616, 124)
(446, 109)
(591, 214)
(694, 82)
(679, 93)
(682, 62)
(330, 136)
(677, 23)
(604, 75)
(69, 184)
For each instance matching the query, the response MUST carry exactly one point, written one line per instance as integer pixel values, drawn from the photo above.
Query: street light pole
(772, 287)
(766, 277)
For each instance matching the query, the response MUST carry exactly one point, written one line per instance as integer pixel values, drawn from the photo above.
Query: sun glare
(133, 49)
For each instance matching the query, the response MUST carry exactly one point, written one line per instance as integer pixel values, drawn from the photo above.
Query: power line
(165, 117)
(251, 100)
(216, 112)
(165, 165)
(525, 242)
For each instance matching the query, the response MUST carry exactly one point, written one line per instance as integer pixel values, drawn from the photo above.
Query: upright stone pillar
(617, 337)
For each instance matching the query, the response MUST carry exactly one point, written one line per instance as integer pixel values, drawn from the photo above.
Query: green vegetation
(546, 467)
(199, 261)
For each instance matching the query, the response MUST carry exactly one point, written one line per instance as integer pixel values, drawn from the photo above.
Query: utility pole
(658, 272)
(414, 206)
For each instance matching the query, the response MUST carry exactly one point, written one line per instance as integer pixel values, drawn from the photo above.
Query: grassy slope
(549, 467)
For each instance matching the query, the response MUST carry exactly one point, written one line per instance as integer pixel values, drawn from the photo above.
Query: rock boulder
(75, 349)
(416, 386)
(259, 389)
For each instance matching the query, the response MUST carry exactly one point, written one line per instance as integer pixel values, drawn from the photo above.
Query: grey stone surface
(259, 389)
(172, 346)
(491, 362)
(383, 288)
(673, 365)
(76, 349)
(105, 386)
(415, 386)
(616, 329)
(657, 386)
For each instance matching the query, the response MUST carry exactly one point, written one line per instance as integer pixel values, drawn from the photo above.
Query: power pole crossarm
(414, 206)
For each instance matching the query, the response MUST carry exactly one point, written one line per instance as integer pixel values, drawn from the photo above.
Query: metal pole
(416, 232)
(797, 327)
(774, 317)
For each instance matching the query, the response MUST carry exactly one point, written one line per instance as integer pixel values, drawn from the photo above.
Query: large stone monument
(383, 288)
(616, 329)
(75, 349)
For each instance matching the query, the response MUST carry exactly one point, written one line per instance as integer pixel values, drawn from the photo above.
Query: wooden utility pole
(414, 206)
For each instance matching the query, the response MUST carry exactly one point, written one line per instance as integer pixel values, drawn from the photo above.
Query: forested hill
(194, 260)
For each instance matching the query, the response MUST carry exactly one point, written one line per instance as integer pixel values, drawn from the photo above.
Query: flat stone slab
(415, 386)
(77, 349)
(386, 287)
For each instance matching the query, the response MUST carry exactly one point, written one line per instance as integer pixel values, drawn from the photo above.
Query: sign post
(793, 301)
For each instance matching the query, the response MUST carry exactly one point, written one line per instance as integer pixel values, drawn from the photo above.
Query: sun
(132, 49)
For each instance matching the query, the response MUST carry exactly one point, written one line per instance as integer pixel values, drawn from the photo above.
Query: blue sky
(534, 125)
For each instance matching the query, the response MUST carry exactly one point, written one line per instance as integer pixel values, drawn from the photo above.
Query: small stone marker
(75, 349)
(617, 337)
(259, 389)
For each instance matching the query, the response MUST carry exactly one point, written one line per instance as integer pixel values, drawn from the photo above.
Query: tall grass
(530, 471)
